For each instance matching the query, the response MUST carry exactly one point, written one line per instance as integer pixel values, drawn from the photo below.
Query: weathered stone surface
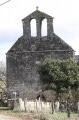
(77, 59)
(28, 52)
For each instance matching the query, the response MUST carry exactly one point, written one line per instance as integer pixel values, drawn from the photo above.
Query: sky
(66, 20)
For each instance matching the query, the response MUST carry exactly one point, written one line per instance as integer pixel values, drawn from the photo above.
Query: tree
(59, 75)
(2, 77)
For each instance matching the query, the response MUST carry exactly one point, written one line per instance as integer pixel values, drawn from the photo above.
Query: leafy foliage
(59, 75)
(2, 77)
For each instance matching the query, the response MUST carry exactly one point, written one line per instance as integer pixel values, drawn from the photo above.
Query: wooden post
(15, 93)
(36, 106)
(68, 107)
(53, 109)
(25, 104)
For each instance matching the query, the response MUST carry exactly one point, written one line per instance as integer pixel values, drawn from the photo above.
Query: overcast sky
(66, 22)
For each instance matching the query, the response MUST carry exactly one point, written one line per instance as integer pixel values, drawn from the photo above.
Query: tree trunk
(53, 107)
(68, 107)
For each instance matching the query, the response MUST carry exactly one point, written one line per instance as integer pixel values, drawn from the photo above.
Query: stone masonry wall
(22, 71)
(28, 52)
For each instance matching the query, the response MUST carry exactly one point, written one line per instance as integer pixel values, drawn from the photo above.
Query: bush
(43, 117)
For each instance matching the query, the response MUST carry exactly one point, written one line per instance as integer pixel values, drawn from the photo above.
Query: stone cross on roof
(37, 7)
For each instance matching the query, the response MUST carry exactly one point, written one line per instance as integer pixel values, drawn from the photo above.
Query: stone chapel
(28, 52)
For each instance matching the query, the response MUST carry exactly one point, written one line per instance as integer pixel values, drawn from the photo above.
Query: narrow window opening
(44, 27)
(33, 28)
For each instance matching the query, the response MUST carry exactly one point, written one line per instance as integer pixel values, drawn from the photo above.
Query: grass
(58, 116)
(17, 114)
(39, 116)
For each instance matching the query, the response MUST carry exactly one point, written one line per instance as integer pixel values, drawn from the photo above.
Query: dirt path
(7, 117)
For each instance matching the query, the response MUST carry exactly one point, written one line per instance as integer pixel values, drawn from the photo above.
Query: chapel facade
(28, 52)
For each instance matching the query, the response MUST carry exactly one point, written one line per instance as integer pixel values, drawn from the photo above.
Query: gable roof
(24, 44)
(38, 14)
(40, 44)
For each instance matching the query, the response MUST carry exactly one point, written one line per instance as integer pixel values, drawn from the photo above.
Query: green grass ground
(59, 116)
(40, 116)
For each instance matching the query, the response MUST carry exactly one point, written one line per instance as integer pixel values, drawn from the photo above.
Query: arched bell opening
(33, 28)
(44, 27)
